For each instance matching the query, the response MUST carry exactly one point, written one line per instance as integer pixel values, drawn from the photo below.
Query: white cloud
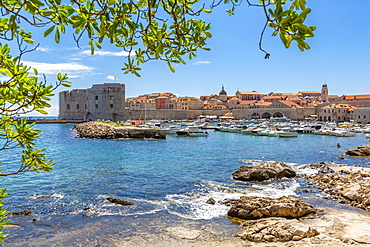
(54, 68)
(43, 49)
(201, 62)
(111, 77)
(106, 53)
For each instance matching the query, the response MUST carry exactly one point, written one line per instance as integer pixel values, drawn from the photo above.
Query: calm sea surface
(176, 176)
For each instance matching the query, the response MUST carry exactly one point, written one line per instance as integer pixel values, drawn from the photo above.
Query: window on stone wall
(96, 97)
(68, 107)
(77, 106)
(96, 106)
(364, 116)
(111, 97)
(85, 106)
(111, 106)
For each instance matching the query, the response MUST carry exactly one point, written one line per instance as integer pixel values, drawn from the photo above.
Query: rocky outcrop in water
(119, 201)
(359, 151)
(275, 230)
(264, 171)
(254, 207)
(20, 213)
(348, 185)
(105, 131)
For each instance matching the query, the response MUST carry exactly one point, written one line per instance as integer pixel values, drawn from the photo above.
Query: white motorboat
(192, 131)
(287, 132)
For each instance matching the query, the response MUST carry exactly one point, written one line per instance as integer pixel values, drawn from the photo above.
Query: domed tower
(222, 95)
(324, 93)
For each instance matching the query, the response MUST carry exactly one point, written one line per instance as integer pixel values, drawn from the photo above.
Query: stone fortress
(101, 101)
(107, 101)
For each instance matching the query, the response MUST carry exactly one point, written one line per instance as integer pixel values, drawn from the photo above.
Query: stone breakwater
(106, 131)
(345, 184)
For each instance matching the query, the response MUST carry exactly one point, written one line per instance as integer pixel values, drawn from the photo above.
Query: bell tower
(324, 93)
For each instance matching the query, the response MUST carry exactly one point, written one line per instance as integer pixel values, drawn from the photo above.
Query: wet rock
(320, 167)
(211, 201)
(264, 171)
(229, 202)
(20, 213)
(347, 185)
(254, 207)
(119, 201)
(275, 230)
(359, 151)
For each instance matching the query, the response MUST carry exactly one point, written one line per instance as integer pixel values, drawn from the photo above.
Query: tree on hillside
(167, 30)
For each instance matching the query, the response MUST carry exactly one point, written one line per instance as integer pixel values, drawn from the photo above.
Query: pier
(53, 121)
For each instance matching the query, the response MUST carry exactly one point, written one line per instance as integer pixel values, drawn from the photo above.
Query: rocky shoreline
(285, 221)
(98, 130)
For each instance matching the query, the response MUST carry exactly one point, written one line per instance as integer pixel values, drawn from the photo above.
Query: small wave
(251, 161)
(52, 196)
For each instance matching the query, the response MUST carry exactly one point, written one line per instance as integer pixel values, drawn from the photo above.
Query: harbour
(172, 178)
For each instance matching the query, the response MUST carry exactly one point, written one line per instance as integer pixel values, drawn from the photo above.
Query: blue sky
(338, 56)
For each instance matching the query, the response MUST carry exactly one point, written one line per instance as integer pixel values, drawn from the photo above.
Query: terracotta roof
(363, 96)
(247, 102)
(234, 98)
(290, 103)
(346, 106)
(263, 103)
(309, 92)
(273, 97)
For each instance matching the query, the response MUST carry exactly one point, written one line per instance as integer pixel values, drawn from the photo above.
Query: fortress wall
(72, 104)
(171, 114)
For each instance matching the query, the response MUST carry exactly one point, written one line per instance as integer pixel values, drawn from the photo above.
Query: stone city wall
(171, 114)
(291, 113)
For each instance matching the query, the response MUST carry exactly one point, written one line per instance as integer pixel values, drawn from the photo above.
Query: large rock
(106, 131)
(359, 151)
(254, 207)
(264, 171)
(275, 229)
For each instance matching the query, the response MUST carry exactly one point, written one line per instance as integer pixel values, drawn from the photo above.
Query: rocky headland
(98, 130)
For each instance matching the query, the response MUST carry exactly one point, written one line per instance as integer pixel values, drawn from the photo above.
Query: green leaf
(42, 111)
(171, 67)
(57, 36)
(48, 31)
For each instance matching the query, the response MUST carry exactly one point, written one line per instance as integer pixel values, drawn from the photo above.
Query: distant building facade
(101, 101)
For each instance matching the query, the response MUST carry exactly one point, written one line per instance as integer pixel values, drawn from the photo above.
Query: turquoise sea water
(175, 176)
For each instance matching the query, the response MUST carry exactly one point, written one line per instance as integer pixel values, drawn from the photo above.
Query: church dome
(222, 92)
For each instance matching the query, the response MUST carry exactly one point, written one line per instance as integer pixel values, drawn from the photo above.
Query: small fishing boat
(192, 131)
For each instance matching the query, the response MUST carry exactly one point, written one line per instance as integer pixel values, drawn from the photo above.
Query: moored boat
(287, 132)
(192, 131)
